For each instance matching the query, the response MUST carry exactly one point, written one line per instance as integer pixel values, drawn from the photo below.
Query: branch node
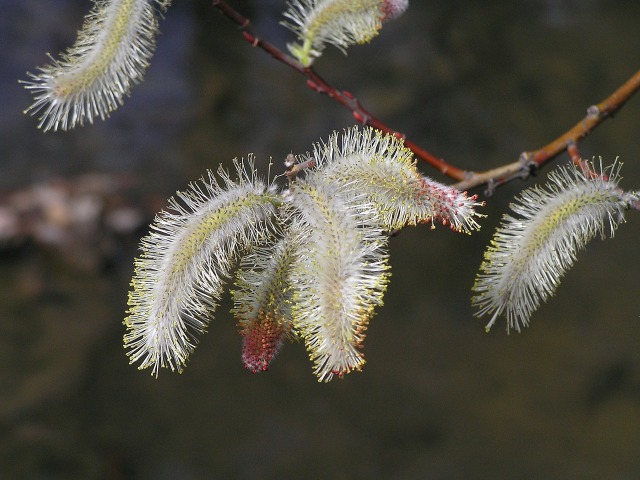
(360, 118)
(252, 39)
(593, 111)
(491, 188)
(293, 168)
(528, 166)
(289, 161)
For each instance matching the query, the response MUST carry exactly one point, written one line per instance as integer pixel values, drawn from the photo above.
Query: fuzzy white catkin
(313, 258)
(91, 78)
(531, 252)
(339, 22)
(380, 167)
(340, 276)
(262, 300)
(186, 261)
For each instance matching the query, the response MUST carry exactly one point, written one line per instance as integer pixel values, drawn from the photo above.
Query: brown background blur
(474, 82)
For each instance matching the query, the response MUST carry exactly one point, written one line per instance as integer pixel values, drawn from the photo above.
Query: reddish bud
(393, 8)
(262, 341)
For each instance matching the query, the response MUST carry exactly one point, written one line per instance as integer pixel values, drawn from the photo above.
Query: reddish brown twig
(528, 162)
(532, 160)
(319, 85)
(578, 161)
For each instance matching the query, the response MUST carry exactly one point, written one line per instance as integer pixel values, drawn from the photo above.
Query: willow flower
(186, 260)
(449, 206)
(339, 22)
(531, 252)
(339, 276)
(263, 301)
(92, 77)
(379, 166)
(313, 261)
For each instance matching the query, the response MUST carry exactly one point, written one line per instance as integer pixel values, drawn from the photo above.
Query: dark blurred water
(474, 82)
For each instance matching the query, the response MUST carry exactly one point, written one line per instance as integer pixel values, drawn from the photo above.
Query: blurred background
(476, 83)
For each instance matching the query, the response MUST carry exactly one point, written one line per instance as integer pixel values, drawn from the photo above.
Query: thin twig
(529, 161)
(319, 85)
(533, 160)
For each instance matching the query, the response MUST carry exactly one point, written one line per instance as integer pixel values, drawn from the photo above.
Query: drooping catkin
(339, 22)
(531, 251)
(91, 79)
(186, 260)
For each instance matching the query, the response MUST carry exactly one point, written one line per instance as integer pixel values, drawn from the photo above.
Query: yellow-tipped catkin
(313, 258)
(530, 252)
(92, 78)
(262, 301)
(340, 276)
(185, 262)
(379, 166)
(339, 22)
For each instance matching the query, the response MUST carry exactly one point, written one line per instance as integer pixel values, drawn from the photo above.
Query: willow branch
(532, 160)
(528, 162)
(346, 99)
